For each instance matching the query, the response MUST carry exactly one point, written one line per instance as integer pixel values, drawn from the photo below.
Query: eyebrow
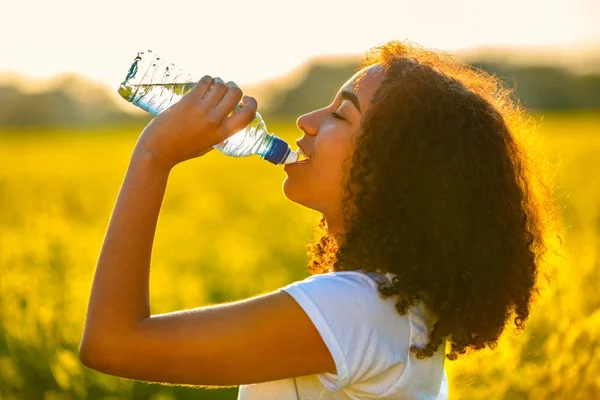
(352, 97)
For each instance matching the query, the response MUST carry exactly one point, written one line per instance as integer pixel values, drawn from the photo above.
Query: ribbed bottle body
(154, 84)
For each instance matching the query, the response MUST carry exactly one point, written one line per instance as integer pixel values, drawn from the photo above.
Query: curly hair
(443, 190)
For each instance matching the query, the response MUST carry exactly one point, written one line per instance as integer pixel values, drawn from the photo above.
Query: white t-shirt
(368, 340)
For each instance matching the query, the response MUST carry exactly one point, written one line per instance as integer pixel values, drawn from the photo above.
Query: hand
(192, 126)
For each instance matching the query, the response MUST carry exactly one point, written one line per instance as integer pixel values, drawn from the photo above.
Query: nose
(307, 124)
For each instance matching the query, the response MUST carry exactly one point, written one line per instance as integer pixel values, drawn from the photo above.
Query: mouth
(302, 157)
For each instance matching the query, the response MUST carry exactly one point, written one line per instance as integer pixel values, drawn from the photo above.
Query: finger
(201, 87)
(230, 100)
(216, 93)
(242, 117)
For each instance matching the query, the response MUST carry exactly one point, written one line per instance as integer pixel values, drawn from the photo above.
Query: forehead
(364, 84)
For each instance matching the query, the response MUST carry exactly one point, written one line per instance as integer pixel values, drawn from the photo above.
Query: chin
(296, 193)
(291, 190)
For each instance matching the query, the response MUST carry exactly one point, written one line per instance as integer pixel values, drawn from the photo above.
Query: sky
(255, 40)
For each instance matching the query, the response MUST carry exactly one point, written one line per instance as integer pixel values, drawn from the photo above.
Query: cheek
(317, 184)
(325, 173)
(329, 164)
(333, 152)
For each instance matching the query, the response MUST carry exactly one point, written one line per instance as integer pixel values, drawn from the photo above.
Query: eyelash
(336, 116)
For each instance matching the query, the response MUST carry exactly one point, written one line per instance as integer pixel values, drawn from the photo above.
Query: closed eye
(337, 116)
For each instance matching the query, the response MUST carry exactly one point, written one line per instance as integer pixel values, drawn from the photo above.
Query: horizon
(276, 43)
(586, 59)
(578, 60)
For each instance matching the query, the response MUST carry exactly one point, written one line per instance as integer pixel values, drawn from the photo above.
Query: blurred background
(66, 138)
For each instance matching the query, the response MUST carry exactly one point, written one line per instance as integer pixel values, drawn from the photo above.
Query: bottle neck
(278, 150)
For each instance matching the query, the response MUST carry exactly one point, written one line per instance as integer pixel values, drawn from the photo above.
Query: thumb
(242, 117)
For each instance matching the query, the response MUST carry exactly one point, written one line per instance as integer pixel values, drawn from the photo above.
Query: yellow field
(227, 232)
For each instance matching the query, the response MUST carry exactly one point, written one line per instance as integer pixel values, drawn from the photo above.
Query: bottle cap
(279, 152)
(291, 158)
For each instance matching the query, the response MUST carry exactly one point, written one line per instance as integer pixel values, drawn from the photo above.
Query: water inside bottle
(155, 97)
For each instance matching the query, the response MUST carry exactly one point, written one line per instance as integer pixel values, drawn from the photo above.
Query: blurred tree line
(539, 88)
(75, 102)
(71, 101)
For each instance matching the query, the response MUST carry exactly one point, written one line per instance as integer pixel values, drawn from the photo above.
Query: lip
(309, 155)
(286, 166)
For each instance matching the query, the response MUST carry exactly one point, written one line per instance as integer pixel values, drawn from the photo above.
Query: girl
(433, 227)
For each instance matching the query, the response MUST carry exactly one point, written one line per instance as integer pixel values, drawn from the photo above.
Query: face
(318, 182)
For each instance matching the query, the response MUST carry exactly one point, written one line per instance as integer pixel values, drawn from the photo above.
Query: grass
(226, 231)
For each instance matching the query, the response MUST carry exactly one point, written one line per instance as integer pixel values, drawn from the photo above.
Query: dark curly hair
(445, 191)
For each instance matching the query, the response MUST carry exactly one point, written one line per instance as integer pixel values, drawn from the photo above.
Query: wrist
(142, 156)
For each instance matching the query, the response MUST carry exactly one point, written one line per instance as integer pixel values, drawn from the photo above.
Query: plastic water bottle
(154, 84)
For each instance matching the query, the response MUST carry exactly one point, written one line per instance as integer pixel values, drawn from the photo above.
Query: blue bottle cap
(278, 151)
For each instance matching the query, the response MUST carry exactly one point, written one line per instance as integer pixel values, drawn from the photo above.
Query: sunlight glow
(262, 39)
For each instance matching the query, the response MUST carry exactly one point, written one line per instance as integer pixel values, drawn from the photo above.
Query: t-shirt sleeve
(342, 306)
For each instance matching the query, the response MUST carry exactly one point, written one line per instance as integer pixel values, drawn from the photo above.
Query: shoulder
(354, 295)
(356, 278)
(349, 295)
(338, 284)
(363, 331)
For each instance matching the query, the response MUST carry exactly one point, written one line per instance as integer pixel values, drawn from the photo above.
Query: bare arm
(263, 338)
(119, 299)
